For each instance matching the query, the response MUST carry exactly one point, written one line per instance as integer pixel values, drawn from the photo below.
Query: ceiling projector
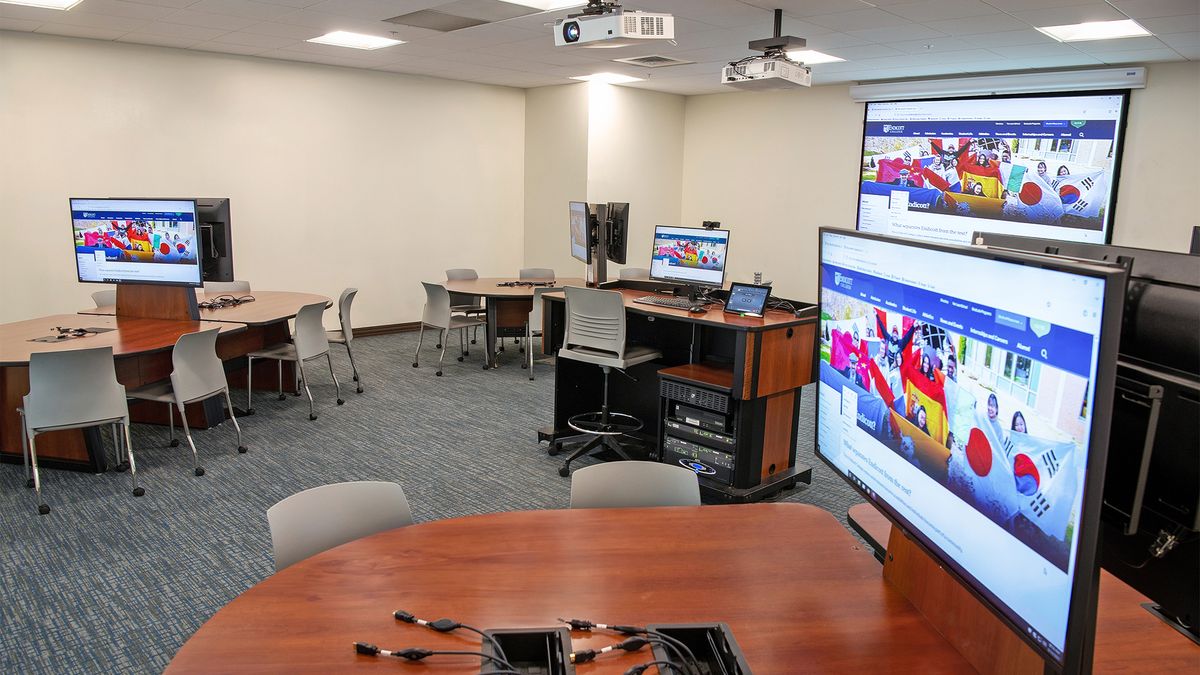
(773, 69)
(605, 24)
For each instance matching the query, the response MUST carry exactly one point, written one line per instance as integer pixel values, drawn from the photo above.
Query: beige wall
(337, 177)
(556, 165)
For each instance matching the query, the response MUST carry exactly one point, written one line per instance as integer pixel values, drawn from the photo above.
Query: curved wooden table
(508, 307)
(797, 590)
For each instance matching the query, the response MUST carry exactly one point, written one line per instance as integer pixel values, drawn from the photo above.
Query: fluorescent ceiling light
(810, 57)
(341, 38)
(44, 4)
(608, 78)
(548, 5)
(1095, 30)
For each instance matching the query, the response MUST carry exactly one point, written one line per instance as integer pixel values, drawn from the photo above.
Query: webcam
(710, 224)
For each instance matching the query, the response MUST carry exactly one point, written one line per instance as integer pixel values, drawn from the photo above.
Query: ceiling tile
(988, 23)
(297, 4)
(129, 10)
(1121, 45)
(862, 52)
(283, 30)
(116, 23)
(263, 42)
(80, 31)
(226, 22)
(831, 40)
(933, 10)
(911, 31)
(1134, 57)
(157, 40)
(861, 19)
(376, 10)
(18, 24)
(938, 44)
(178, 30)
(1059, 16)
(1012, 39)
(1178, 40)
(247, 9)
(242, 50)
(1147, 9)
(1168, 25)
(176, 4)
(1025, 5)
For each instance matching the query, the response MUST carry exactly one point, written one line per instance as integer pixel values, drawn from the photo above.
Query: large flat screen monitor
(689, 255)
(967, 394)
(1037, 166)
(581, 247)
(138, 241)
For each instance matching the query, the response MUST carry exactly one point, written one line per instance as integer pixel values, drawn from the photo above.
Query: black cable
(642, 667)
(682, 651)
(420, 653)
(448, 625)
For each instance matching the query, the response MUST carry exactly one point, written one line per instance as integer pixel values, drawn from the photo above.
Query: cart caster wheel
(473, 342)
(524, 365)
(243, 450)
(360, 389)
(460, 359)
(356, 378)
(437, 346)
(29, 483)
(296, 394)
(249, 412)
(564, 471)
(312, 417)
(522, 350)
(43, 509)
(486, 366)
(121, 467)
(199, 471)
(414, 364)
(139, 491)
(341, 401)
(531, 378)
(174, 443)
(438, 373)
(282, 397)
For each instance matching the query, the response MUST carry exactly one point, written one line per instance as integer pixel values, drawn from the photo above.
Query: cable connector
(404, 616)
(412, 653)
(583, 656)
(443, 625)
(578, 624)
(366, 648)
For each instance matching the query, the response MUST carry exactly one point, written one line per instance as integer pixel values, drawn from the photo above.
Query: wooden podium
(148, 301)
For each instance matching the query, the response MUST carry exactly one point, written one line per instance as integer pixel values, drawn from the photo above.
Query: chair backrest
(538, 273)
(320, 518)
(595, 319)
(634, 273)
(234, 286)
(198, 370)
(633, 483)
(72, 388)
(310, 337)
(535, 315)
(437, 306)
(461, 274)
(344, 303)
(105, 298)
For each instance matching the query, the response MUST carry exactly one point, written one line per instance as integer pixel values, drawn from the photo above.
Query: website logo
(893, 128)
(842, 280)
(89, 214)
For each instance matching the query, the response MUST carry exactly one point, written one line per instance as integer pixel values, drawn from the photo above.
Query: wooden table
(797, 590)
(141, 348)
(508, 307)
(1128, 638)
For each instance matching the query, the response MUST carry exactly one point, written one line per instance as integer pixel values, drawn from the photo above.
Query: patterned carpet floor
(109, 583)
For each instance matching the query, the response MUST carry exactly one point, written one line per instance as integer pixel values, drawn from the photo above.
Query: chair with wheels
(73, 390)
(105, 298)
(634, 273)
(436, 314)
(536, 274)
(533, 326)
(198, 375)
(227, 286)
(309, 342)
(320, 518)
(345, 335)
(596, 334)
(465, 303)
(633, 484)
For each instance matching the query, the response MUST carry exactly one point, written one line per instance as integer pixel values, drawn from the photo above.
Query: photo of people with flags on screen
(997, 428)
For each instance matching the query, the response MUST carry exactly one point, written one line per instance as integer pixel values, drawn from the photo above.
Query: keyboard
(665, 301)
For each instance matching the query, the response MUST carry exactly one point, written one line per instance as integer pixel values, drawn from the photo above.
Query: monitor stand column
(148, 301)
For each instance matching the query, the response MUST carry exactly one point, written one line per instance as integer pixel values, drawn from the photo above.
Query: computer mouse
(698, 309)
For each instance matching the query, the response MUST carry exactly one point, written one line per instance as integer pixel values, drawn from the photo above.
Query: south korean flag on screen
(1082, 194)
(1044, 476)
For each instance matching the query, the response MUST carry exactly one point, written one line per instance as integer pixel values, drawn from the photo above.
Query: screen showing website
(689, 254)
(136, 240)
(1031, 166)
(957, 392)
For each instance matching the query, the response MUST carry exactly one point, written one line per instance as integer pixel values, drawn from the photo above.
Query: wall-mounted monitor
(580, 223)
(689, 255)
(1037, 166)
(967, 393)
(616, 232)
(138, 241)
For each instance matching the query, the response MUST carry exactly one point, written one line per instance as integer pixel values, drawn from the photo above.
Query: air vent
(653, 61)
(461, 14)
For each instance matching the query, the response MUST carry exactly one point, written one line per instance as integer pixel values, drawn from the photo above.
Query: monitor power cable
(420, 653)
(448, 625)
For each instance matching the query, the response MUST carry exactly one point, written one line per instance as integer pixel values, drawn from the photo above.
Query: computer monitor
(216, 238)
(616, 232)
(967, 394)
(689, 255)
(137, 241)
(580, 221)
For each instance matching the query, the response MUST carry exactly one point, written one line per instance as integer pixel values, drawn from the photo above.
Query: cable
(448, 625)
(682, 651)
(628, 644)
(419, 654)
(641, 668)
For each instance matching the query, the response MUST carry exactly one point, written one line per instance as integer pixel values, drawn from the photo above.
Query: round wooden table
(508, 307)
(798, 592)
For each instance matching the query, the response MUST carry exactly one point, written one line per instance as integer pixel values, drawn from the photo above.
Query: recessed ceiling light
(44, 4)
(810, 57)
(608, 78)
(1095, 30)
(341, 38)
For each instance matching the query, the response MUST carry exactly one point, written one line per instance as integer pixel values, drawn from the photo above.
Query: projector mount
(775, 47)
(597, 8)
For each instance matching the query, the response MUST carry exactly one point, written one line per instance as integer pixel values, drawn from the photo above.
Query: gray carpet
(111, 583)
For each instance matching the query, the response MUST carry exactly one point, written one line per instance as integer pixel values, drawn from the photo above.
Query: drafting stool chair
(345, 335)
(308, 343)
(437, 315)
(596, 334)
(465, 303)
(198, 374)
(73, 390)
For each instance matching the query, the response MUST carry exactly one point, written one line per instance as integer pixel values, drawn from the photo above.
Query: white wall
(556, 168)
(337, 177)
(776, 166)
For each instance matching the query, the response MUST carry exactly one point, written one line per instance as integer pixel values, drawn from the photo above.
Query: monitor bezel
(587, 212)
(1118, 149)
(184, 284)
(1081, 612)
(690, 282)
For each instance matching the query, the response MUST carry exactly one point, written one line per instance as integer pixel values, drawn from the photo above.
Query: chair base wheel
(524, 366)
(312, 417)
(282, 397)
(554, 449)
(531, 378)
(360, 389)
(486, 366)
(460, 359)
(356, 378)
(438, 373)
(437, 346)
(242, 450)
(296, 394)
(341, 401)
(138, 491)
(249, 412)
(414, 364)
(199, 471)
(121, 467)
(564, 471)
(29, 483)
(43, 509)
(174, 443)
(472, 341)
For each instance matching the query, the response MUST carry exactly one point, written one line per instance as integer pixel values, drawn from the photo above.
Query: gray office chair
(72, 390)
(320, 518)
(227, 286)
(308, 343)
(634, 483)
(533, 326)
(596, 334)
(198, 374)
(436, 314)
(465, 303)
(105, 298)
(345, 335)
(634, 273)
(536, 274)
